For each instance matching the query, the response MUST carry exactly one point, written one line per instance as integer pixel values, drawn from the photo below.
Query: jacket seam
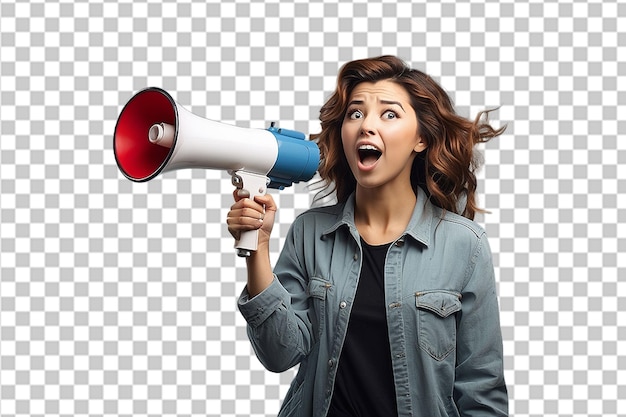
(472, 264)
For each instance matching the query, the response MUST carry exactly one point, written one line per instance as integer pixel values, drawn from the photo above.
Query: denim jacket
(442, 313)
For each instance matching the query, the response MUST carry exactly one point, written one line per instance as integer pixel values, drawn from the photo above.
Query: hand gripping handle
(256, 185)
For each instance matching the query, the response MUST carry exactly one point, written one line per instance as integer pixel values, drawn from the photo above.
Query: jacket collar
(419, 226)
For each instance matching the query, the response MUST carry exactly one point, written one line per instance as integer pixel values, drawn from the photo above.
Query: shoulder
(461, 224)
(324, 214)
(332, 210)
(465, 241)
(318, 219)
(458, 231)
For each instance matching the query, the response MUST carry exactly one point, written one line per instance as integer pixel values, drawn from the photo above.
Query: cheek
(346, 134)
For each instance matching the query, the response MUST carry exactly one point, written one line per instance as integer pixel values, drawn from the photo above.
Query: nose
(368, 127)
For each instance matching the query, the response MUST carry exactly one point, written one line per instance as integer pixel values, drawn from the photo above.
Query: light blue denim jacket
(442, 313)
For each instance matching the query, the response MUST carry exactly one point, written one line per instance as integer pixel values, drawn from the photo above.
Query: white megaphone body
(154, 134)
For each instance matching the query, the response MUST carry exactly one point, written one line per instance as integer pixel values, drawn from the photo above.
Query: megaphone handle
(256, 185)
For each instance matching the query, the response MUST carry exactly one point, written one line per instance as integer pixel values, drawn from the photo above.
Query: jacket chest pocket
(318, 291)
(436, 321)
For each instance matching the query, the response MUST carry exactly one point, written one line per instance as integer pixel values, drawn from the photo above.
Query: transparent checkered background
(118, 298)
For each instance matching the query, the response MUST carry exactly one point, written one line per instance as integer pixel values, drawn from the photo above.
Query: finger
(267, 201)
(244, 216)
(256, 213)
(246, 203)
(239, 223)
(246, 209)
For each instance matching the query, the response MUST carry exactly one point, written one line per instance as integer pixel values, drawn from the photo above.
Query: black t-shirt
(364, 385)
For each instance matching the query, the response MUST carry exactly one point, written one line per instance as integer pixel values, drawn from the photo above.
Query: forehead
(380, 90)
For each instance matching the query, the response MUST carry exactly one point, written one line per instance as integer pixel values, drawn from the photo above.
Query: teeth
(369, 154)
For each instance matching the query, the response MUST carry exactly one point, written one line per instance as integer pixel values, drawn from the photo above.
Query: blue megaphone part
(297, 159)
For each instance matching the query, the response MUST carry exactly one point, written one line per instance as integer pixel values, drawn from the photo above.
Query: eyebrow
(397, 103)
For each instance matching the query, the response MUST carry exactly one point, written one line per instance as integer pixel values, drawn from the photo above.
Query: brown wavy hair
(445, 170)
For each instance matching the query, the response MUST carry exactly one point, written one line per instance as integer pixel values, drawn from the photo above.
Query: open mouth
(368, 154)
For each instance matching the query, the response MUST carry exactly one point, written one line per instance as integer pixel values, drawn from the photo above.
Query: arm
(480, 389)
(258, 214)
(276, 311)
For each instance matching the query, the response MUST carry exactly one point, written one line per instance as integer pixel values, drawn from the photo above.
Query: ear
(420, 145)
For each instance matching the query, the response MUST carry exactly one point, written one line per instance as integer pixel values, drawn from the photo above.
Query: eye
(390, 114)
(355, 114)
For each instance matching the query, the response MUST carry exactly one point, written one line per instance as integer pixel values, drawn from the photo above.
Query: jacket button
(343, 304)
(356, 256)
(330, 363)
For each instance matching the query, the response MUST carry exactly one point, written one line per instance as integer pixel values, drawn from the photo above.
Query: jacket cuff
(257, 309)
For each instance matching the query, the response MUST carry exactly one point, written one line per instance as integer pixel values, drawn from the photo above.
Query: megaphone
(154, 135)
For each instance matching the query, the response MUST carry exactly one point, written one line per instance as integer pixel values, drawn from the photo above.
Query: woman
(386, 300)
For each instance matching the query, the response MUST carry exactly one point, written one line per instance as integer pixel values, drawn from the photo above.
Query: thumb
(267, 201)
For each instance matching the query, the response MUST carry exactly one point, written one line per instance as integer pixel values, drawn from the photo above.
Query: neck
(381, 216)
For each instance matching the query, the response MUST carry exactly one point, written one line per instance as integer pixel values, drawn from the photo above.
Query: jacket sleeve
(279, 327)
(480, 389)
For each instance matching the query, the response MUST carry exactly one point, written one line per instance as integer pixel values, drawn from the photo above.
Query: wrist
(262, 252)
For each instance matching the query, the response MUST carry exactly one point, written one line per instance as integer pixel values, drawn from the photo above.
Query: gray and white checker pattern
(119, 298)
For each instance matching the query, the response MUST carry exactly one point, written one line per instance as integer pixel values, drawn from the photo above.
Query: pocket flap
(442, 303)
(318, 287)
